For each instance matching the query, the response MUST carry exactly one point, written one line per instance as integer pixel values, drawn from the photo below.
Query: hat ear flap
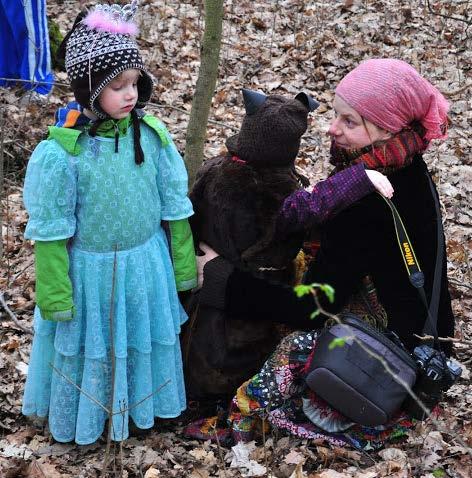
(310, 103)
(253, 100)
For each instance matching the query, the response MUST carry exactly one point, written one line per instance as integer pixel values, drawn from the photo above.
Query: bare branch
(35, 83)
(181, 110)
(459, 90)
(459, 284)
(2, 150)
(443, 339)
(106, 458)
(459, 19)
(90, 397)
(13, 316)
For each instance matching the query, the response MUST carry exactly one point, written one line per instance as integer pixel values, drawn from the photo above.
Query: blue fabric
(24, 49)
(100, 200)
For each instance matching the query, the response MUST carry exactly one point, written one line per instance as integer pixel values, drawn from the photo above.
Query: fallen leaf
(394, 454)
(199, 473)
(42, 469)
(294, 458)
(330, 474)
(434, 441)
(21, 436)
(298, 472)
(241, 459)
(152, 473)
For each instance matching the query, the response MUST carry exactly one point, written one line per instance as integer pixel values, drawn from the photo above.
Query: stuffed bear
(236, 198)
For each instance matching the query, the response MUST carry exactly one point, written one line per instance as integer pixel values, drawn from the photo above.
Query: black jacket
(358, 241)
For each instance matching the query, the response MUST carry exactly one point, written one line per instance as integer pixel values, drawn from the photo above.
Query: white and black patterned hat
(100, 46)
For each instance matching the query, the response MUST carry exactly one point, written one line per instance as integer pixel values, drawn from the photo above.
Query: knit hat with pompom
(99, 47)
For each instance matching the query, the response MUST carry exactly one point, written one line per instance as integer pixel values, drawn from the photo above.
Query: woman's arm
(246, 297)
(304, 210)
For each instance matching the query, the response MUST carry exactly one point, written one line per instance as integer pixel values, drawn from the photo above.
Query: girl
(108, 317)
(386, 116)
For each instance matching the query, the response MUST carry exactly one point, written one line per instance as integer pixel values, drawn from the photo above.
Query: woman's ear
(385, 134)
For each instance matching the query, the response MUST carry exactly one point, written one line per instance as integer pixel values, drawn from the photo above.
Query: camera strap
(413, 268)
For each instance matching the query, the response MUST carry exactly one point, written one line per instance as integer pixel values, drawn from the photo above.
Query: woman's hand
(208, 255)
(380, 182)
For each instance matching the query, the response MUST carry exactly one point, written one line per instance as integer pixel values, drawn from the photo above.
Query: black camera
(436, 374)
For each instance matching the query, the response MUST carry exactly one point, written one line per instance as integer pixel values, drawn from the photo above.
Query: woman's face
(350, 131)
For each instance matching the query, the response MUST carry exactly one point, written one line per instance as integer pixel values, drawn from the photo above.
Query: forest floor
(280, 47)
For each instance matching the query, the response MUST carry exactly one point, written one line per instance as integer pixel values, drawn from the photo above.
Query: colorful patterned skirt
(277, 397)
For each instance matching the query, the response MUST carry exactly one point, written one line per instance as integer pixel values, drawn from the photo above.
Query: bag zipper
(378, 335)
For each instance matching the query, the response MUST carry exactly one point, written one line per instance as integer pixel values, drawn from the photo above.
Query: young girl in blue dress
(107, 272)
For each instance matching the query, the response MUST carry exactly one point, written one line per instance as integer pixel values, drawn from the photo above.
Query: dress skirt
(130, 295)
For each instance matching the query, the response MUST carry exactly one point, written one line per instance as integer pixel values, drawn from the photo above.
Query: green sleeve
(53, 285)
(183, 255)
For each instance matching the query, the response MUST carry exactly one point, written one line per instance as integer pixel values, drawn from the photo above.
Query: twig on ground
(459, 19)
(21, 271)
(459, 284)
(218, 445)
(113, 367)
(459, 90)
(443, 339)
(13, 316)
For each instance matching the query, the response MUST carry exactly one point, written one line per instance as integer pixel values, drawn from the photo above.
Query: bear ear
(252, 100)
(310, 103)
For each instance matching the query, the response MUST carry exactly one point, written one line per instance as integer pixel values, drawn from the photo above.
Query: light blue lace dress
(103, 201)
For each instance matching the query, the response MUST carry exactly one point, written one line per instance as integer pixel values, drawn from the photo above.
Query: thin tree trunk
(2, 156)
(206, 83)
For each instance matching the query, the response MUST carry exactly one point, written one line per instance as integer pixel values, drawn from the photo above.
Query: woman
(386, 116)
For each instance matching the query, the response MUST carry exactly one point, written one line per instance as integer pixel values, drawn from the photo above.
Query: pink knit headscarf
(391, 94)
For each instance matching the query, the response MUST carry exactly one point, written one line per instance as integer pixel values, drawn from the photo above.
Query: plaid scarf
(384, 156)
(71, 116)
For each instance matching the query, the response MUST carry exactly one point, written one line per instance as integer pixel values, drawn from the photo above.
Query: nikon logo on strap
(410, 260)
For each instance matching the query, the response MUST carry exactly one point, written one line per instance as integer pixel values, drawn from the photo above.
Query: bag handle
(413, 268)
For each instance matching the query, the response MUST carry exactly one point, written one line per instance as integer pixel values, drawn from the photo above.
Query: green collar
(108, 128)
(68, 137)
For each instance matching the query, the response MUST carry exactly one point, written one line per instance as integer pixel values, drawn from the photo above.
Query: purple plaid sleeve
(303, 210)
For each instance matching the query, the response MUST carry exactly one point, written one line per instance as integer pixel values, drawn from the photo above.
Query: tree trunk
(206, 82)
(2, 157)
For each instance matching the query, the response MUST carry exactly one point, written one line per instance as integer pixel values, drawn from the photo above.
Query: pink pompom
(104, 22)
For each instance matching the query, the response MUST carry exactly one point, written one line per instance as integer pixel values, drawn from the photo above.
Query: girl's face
(350, 131)
(119, 97)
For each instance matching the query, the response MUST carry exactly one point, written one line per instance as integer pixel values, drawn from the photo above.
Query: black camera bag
(353, 380)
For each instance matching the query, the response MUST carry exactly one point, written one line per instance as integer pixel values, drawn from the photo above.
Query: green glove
(53, 285)
(183, 255)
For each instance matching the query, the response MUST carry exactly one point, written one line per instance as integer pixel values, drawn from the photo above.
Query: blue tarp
(24, 44)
